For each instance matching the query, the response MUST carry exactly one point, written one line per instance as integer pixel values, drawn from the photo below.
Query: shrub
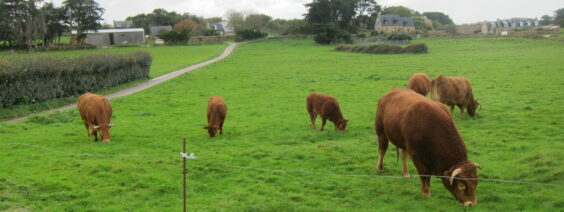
(384, 49)
(37, 79)
(249, 34)
(399, 36)
(330, 33)
(174, 38)
(416, 48)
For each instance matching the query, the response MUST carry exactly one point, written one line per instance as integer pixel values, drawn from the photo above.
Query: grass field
(166, 59)
(48, 163)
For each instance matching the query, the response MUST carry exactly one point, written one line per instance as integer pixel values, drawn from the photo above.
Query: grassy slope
(518, 135)
(166, 59)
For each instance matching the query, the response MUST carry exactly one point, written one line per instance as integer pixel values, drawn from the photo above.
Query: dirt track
(147, 84)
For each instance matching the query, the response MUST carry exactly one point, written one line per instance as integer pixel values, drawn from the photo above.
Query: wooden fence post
(184, 176)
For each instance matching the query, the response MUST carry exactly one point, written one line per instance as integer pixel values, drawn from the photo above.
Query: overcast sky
(460, 11)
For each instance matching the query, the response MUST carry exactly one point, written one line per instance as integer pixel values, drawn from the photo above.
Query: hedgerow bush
(37, 79)
(384, 49)
(249, 34)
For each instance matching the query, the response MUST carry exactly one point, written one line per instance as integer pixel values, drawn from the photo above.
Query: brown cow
(328, 108)
(96, 112)
(217, 111)
(425, 130)
(454, 91)
(420, 83)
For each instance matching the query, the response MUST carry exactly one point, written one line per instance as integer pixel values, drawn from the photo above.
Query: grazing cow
(328, 108)
(217, 111)
(425, 130)
(454, 91)
(420, 83)
(96, 112)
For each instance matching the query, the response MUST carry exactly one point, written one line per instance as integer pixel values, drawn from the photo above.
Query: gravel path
(147, 84)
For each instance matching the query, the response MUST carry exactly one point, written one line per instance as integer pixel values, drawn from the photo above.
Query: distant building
(122, 24)
(503, 27)
(222, 28)
(156, 30)
(394, 23)
(108, 37)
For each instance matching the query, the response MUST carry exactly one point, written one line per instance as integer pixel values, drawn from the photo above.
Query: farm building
(221, 28)
(394, 23)
(107, 37)
(122, 24)
(504, 26)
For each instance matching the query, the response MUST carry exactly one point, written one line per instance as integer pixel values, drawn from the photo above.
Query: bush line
(38, 79)
(384, 49)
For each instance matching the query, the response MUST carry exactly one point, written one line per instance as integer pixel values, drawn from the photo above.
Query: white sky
(460, 11)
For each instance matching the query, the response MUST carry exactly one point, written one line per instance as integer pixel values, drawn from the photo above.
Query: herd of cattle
(420, 127)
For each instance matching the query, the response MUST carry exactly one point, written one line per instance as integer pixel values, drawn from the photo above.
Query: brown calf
(328, 108)
(96, 112)
(217, 111)
(454, 91)
(420, 83)
(425, 130)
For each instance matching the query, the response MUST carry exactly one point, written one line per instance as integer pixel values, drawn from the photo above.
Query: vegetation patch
(384, 49)
(38, 79)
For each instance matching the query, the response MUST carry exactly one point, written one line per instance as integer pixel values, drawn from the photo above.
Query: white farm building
(108, 37)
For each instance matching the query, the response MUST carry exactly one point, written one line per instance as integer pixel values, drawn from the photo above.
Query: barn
(108, 37)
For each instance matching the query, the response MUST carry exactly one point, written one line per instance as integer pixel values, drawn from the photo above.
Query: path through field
(149, 83)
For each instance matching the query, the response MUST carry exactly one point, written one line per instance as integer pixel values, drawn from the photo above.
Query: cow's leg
(95, 132)
(312, 117)
(451, 109)
(423, 175)
(221, 127)
(87, 130)
(382, 147)
(461, 111)
(405, 172)
(324, 121)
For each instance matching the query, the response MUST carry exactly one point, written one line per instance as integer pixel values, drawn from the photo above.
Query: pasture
(48, 163)
(166, 59)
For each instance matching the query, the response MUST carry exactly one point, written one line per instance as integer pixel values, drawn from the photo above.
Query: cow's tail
(397, 154)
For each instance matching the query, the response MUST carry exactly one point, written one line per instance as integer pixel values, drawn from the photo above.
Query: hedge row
(36, 79)
(384, 49)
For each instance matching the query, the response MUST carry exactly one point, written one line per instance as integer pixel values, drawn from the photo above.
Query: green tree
(400, 10)
(439, 17)
(54, 18)
(82, 15)
(545, 20)
(332, 20)
(559, 17)
(257, 21)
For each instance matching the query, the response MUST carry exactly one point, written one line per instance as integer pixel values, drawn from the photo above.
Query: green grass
(517, 136)
(166, 59)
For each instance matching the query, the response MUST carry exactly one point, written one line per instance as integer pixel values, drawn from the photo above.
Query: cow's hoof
(427, 195)
(406, 176)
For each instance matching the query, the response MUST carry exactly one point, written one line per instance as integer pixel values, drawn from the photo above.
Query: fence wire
(198, 158)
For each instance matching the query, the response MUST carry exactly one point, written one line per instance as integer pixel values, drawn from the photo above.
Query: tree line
(31, 23)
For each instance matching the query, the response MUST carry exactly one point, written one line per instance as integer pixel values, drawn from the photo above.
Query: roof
(395, 20)
(110, 31)
(155, 30)
(220, 26)
(120, 24)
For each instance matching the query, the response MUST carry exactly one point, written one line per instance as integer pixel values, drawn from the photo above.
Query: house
(156, 30)
(222, 28)
(123, 24)
(503, 27)
(394, 23)
(107, 37)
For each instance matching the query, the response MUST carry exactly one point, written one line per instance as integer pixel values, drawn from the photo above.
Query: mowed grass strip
(166, 59)
(517, 136)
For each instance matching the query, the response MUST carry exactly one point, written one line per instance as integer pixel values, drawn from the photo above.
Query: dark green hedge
(36, 79)
(384, 49)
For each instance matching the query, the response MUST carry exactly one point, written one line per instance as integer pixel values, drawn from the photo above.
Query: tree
(332, 20)
(545, 20)
(559, 17)
(439, 17)
(400, 10)
(186, 27)
(420, 23)
(450, 29)
(235, 19)
(82, 15)
(257, 21)
(54, 19)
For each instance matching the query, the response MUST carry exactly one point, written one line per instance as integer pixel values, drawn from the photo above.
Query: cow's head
(462, 182)
(342, 124)
(212, 130)
(104, 131)
(473, 106)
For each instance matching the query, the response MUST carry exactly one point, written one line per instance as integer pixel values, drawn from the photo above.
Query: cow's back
(451, 90)
(216, 108)
(94, 109)
(420, 83)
